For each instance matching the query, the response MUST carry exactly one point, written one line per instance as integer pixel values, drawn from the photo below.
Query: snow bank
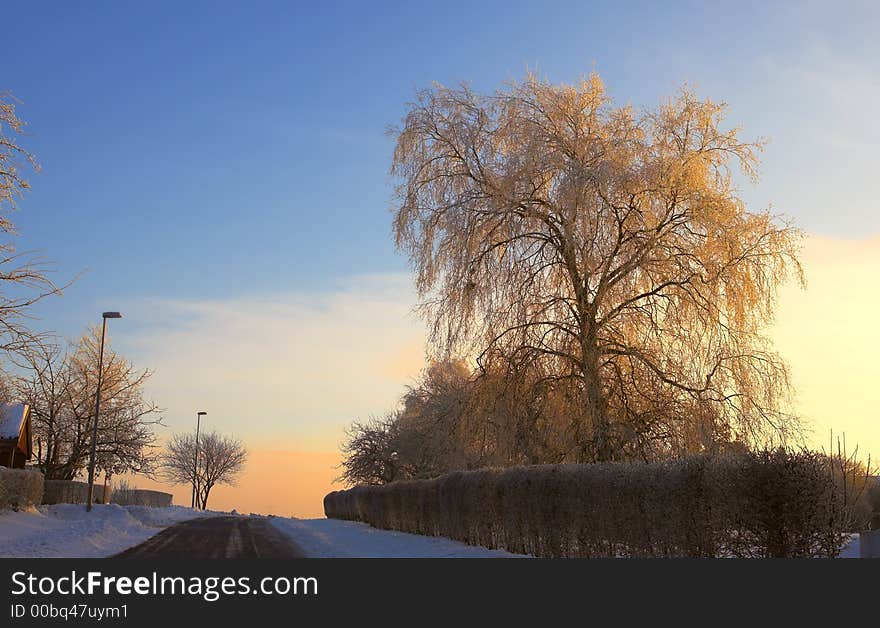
(68, 531)
(333, 538)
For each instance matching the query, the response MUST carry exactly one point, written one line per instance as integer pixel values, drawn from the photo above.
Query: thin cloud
(283, 368)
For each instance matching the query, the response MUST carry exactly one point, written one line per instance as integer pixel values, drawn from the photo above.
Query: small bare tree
(370, 453)
(221, 460)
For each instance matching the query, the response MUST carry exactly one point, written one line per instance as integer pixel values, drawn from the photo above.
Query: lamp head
(202, 413)
(111, 315)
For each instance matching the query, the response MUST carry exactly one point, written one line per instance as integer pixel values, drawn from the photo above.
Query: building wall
(11, 456)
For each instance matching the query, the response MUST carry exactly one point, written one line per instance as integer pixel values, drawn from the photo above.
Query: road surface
(217, 537)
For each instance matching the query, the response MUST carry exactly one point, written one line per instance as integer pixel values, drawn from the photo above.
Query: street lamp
(91, 497)
(199, 416)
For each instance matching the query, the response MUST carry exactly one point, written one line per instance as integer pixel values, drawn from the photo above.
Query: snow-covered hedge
(766, 504)
(141, 497)
(20, 488)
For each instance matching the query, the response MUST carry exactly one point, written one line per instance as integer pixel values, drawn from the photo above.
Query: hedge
(141, 497)
(20, 488)
(773, 503)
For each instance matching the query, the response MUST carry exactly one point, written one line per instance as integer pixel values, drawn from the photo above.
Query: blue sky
(207, 149)
(202, 157)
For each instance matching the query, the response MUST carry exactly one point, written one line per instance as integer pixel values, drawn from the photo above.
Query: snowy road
(332, 538)
(217, 537)
(68, 531)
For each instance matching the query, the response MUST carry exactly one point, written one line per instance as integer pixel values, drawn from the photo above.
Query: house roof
(12, 418)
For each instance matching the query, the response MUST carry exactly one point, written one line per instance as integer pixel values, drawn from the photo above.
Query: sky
(219, 173)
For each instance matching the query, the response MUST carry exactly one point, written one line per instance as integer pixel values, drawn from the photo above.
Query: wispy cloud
(840, 91)
(817, 104)
(282, 370)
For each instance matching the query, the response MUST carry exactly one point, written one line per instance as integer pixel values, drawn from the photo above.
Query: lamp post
(199, 416)
(104, 318)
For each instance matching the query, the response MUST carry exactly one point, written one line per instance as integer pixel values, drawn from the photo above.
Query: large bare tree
(23, 278)
(604, 247)
(60, 386)
(221, 460)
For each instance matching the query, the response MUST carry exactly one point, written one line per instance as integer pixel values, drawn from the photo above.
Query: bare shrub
(853, 481)
(873, 499)
(121, 485)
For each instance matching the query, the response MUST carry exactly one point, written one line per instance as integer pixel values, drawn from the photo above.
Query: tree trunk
(595, 414)
(597, 417)
(203, 499)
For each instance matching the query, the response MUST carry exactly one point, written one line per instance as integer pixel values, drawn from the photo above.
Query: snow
(852, 548)
(333, 538)
(68, 531)
(11, 417)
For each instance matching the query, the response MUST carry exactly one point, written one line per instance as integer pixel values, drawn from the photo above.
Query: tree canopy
(60, 386)
(605, 250)
(214, 459)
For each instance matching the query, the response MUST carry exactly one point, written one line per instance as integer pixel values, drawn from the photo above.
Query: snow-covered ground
(332, 538)
(852, 548)
(68, 531)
